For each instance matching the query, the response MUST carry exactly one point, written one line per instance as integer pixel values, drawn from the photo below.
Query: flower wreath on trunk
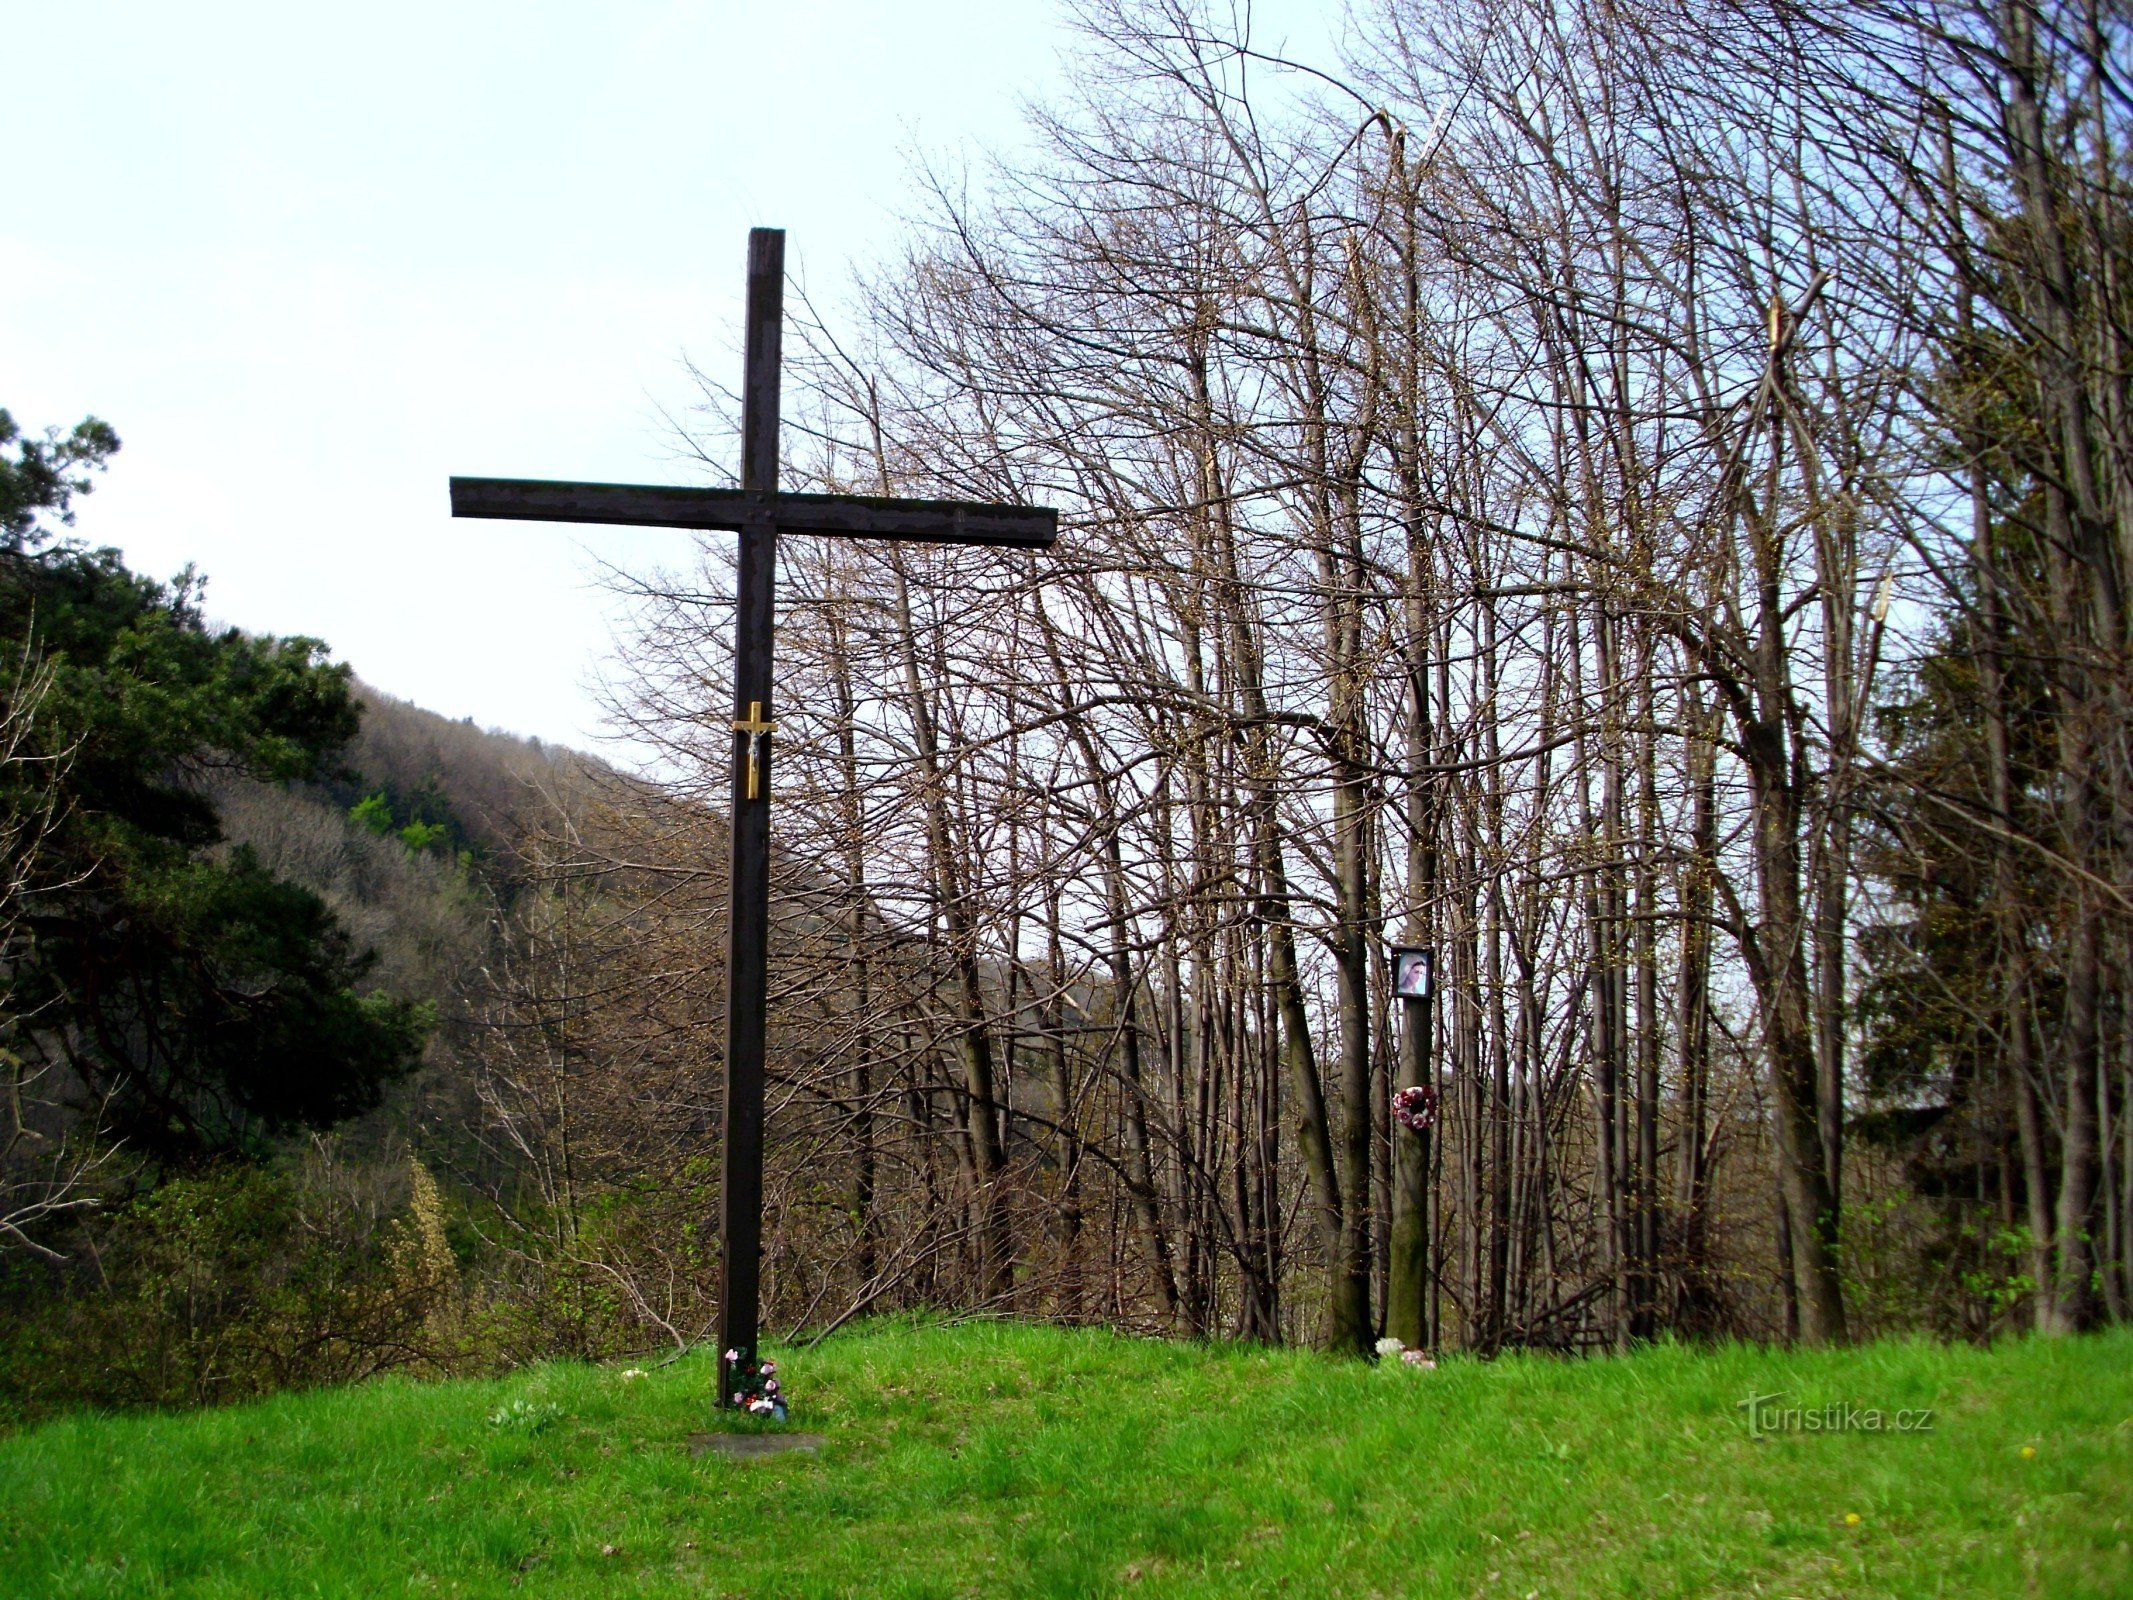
(1415, 1108)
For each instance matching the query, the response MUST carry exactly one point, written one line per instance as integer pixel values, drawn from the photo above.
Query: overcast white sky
(310, 261)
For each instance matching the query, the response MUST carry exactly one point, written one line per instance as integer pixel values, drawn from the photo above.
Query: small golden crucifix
(755, 727)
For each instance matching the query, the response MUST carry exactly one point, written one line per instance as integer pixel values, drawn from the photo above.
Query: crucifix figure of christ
(756, 511)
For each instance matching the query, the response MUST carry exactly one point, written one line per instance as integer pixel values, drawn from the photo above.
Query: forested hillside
(324, 1249)
(250, 907)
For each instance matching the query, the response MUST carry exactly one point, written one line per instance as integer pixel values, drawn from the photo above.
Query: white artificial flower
(1389, 1346)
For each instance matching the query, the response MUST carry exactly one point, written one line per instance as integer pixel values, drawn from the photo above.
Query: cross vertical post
(748, 851)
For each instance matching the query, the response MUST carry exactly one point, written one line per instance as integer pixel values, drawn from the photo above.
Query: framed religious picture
(1412, 971)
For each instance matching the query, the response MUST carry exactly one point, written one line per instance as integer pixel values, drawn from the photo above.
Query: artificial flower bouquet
(754, 1385)
(1391, 1350)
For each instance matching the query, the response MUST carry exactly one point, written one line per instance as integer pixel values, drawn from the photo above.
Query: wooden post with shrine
(756, 511)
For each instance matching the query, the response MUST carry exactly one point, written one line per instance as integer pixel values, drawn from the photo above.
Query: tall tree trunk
(1644, 942)
(1697, 1304)
(1124, 995)
(853, 826)
(1411, 1264)
(990, 1228)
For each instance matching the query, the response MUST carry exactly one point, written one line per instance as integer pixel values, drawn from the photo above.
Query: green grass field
(1009, 1461)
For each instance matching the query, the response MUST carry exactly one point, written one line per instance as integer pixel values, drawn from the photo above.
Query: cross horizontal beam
(851, 516)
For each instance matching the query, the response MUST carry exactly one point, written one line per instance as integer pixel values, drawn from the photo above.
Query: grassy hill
(1014, 1461)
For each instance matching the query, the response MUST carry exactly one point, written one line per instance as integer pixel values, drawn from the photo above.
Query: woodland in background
(1637, 498)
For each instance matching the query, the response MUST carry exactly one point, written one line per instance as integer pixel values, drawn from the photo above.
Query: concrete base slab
(747, 1446)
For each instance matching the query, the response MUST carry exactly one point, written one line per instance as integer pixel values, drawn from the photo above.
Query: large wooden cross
(757, 512)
